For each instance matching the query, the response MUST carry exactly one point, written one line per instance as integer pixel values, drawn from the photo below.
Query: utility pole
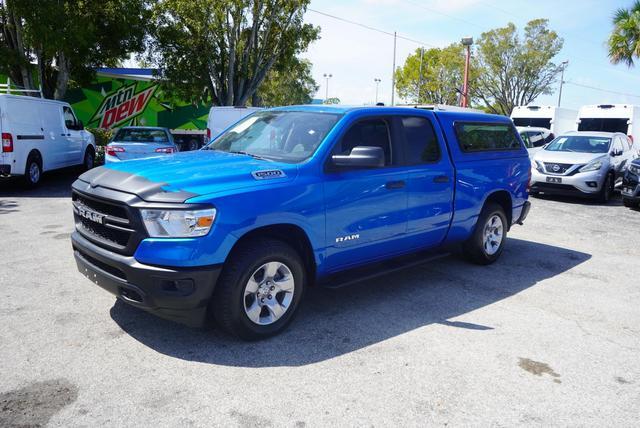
(467, 42)
(564, 65)
(393, 75)
(420, 78)
(326, 87)
(377, 84)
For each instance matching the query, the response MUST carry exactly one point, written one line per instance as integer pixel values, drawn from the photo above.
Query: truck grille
(557, 168)
(108, 224)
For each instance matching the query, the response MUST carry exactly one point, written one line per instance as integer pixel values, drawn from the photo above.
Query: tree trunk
(63, 76)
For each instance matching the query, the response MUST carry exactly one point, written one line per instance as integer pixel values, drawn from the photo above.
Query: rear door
(55, 139)
(429, 183)
(366, 214)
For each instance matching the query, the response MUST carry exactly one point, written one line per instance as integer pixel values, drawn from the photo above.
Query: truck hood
(178, 177)
(566, 157)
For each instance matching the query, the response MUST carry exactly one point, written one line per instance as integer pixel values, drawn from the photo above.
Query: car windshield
(142, 136)
(582, 144)
(289, 136)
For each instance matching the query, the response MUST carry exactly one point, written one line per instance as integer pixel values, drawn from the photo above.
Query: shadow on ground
(54, 184)
(331, 323)
(615, 201)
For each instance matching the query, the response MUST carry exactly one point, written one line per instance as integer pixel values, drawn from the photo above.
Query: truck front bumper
(631, 187)
(177, 294)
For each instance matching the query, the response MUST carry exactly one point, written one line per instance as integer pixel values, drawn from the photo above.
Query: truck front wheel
(487, 242)
(259, 290)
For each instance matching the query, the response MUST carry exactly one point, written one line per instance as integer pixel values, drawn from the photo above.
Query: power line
(368, 27)
(600, 89)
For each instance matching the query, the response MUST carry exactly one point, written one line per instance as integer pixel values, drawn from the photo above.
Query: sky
(355, 56)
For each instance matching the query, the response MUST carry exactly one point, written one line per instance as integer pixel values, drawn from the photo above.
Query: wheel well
(503, 198)
(90, 148)
(291, 234)
(37, 155)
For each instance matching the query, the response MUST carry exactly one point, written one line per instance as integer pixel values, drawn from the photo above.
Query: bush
(102, 136)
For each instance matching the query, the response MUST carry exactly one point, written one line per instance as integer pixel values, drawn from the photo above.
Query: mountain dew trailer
(131, 97)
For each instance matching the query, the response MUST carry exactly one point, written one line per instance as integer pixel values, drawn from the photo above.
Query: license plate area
(627, 191)
(557, 180)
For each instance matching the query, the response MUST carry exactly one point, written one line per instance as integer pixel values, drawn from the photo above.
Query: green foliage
(288, 84)
(75, 35)
(102, 136)
(220, 51)
(442, 74)
(512, 70)
(624, 41)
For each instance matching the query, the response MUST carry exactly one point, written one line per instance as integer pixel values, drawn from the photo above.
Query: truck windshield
(582, 144)
(289, 136)
(537, 122)
(142, 136)
(604, 124)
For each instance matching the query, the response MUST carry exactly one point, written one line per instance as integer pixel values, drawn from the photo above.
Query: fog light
(593, 184)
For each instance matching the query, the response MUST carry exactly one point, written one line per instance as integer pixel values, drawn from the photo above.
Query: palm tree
(624, 41)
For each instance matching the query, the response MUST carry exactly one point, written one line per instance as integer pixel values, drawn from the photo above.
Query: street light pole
(393, 75)
(377, 84)
(467, 42)
(326, 88)
(564, 65)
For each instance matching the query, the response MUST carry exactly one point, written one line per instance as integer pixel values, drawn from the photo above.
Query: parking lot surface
(547, 336)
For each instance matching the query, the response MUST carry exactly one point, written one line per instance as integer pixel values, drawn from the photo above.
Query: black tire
(604, 195)
(229, 300)
(33, 171)
(193, 145)
(629, 203)
(474, 248)
(89, 160)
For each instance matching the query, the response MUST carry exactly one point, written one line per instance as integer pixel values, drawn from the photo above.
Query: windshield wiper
(240, 152)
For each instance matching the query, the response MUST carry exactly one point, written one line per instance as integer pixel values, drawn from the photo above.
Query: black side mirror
(80, 125)
(616, 153)
(361, 157)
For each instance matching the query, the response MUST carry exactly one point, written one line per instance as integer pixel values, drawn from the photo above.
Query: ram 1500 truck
(296, 196)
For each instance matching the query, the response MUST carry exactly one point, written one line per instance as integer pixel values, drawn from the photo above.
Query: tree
(624, 41)
(442, 74)
(288, 84)
(70, 38)
(512, 71)
(220, 51)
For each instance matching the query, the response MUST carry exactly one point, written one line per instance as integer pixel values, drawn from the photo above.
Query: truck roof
(344, 109)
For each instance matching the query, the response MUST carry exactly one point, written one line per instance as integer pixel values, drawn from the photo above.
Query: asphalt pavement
(548, 336)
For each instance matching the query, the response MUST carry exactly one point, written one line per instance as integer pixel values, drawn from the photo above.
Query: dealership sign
(123, 105)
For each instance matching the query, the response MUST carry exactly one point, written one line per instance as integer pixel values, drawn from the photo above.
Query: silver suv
(582, 164)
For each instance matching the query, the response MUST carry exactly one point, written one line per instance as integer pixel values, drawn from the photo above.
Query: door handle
(395, 184)
(66, 135)
(441, 179)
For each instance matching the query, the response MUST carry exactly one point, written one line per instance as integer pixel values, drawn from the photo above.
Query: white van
(610, 118)
(39, 135)
(220, 118)
(558, 120)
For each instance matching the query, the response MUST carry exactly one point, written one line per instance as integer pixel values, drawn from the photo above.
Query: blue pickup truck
(294, 197)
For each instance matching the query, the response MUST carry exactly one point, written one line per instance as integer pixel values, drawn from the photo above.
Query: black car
(630, 187)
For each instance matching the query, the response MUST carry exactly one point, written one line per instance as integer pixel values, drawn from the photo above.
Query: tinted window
(536, 138)
(478, 137)
(69, 117)
(371, 133)
(421, 141)
(605, 125)
(537, 122)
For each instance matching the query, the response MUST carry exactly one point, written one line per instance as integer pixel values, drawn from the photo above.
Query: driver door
(366, 208)
(73, 137)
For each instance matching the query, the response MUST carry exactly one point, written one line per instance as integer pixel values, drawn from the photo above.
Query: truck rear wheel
(33, 170)
(259, 290)
(487, 242)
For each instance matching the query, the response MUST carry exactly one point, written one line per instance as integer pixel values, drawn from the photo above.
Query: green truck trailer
(130, 96)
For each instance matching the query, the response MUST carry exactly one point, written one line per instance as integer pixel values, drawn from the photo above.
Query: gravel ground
(548, 336)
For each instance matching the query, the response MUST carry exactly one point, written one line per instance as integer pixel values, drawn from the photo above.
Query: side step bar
(376, 269)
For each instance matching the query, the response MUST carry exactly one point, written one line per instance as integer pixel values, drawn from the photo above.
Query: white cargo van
(623, 118)
(558, 120)
(39, 135)
(220, 118)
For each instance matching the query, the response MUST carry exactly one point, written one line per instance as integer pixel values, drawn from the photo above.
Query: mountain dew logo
(123, 105)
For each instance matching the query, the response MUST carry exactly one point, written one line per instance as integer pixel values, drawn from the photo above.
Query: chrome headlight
(539, 166)
(178, 223)
(592, 166)
(634, 169)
